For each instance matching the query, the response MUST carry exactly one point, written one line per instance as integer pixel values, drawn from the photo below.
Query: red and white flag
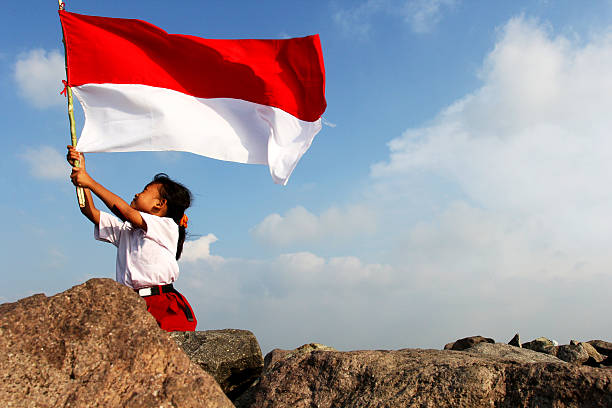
(142, 89)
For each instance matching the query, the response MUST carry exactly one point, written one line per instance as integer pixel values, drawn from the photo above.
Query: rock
(247, 399)
(602, 347)
(607, 362)
(572, 353)
(232, 357)
(427, 378)
(508, 353)
(449, 346)
(468, 342)
(278, 354)
(592, 352)
(516, 341)
(95, 345)
(541, 344)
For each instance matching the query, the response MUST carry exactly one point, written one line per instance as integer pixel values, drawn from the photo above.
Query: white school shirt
(143, 258)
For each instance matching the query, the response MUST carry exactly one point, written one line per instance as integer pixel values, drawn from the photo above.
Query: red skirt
(171, 311)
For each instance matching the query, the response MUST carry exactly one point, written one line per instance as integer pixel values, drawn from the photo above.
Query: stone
(607, 362)
(515, 341)
(508, 353)
(233, 357)
(468, 342)
(427, 378)
(270, 361)
(278, 354)
(572, 353)
(541, 344)
(592, 352)
(95, 345)
(602, 347)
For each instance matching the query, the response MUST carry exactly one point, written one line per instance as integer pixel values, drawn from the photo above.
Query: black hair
(178, 199)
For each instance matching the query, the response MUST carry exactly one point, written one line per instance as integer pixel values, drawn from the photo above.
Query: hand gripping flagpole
(73, 138)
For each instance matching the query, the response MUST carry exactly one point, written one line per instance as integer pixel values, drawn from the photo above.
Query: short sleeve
(108, 229)
(162, 230)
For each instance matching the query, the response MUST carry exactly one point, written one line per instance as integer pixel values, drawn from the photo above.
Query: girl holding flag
(149, 236)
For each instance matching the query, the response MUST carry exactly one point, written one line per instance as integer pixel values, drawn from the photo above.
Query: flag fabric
(142, 89)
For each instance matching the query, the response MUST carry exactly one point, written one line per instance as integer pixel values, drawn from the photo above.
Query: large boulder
(95, 345)
(427, 378)
(231, 356)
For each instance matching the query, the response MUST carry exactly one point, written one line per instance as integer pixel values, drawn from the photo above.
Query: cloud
(199, 249)
(421, 15)
(529, 152)
(299, 225)
(46, 163)
(39, 74)
(301, 297)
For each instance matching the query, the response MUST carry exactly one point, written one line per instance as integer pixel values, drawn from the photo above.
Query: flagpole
(73, 139)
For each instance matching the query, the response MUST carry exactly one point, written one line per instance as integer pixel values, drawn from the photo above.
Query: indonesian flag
(142, 89)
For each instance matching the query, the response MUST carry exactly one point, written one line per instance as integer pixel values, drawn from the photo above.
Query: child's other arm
(89, 210)
(116, 204)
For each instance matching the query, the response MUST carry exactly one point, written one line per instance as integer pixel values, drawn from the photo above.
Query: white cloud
(299, 225)
(46, 163)
(199, 249)
(39, 74)
(421, 15)
(529, 151)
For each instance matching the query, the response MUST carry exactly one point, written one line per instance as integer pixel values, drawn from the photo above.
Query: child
(149, 240)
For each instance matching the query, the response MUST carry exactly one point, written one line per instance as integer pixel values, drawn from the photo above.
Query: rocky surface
(95, 345)
(232, 357)
(485, 375)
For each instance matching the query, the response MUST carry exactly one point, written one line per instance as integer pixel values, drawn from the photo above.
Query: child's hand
(74, 155)
(80, 177)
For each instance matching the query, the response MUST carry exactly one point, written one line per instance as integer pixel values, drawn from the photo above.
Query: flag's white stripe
(126, 117)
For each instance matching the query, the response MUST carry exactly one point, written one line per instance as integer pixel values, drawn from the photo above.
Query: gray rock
(516, 341)
(427, 378)
(232, 357)
(467, 342)
(95, 345)
(541, 344)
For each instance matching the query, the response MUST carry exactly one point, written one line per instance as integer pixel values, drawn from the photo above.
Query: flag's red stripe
(287, 74)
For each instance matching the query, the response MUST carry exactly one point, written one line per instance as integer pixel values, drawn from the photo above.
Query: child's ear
(161, 204)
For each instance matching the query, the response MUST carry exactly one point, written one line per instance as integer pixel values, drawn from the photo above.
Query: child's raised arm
(89, 210)
(116, 204)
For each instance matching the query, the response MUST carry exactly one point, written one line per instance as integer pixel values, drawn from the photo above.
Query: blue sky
(461, 188)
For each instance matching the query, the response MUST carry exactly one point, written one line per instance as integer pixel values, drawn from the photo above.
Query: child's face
(147, 200)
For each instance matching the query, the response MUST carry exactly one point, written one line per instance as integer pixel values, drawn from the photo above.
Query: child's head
(177, 199)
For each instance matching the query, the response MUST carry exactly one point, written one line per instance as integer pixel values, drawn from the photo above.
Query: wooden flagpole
(73, 138)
